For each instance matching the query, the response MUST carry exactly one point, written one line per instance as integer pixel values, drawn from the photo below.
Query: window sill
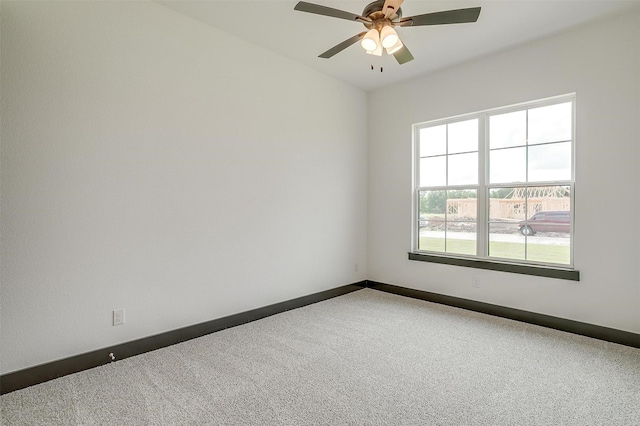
(540, 271)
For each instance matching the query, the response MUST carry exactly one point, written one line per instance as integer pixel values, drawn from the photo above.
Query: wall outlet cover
(118, 317)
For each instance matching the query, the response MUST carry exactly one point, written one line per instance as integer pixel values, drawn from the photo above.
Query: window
(497, 185)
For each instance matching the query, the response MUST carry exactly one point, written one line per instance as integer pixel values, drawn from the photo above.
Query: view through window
(498, 184)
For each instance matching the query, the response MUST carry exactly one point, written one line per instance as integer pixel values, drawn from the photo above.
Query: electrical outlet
(356, 267)
(475, 282)
(118, 317)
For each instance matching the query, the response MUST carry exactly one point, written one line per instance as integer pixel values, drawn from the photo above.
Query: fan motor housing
(375, 9)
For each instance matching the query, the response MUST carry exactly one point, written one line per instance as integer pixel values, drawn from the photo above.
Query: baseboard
(33, 375)
(595, 331)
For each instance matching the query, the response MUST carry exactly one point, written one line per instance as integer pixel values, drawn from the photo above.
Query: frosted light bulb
(371, 40)
(388, 36)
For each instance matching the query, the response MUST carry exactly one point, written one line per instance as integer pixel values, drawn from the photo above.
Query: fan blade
(340, 47)
(393, 4)
(457, 16)
(403, 55)
(328, 11)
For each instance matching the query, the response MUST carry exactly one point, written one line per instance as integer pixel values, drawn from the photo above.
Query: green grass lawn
(535, 252)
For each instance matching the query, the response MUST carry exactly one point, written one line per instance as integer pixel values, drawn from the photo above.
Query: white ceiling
(275, 25)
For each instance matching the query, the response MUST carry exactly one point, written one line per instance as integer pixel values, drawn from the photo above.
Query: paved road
(539, 238)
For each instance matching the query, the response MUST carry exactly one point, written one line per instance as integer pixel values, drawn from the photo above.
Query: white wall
(601, 63)
(152, 163)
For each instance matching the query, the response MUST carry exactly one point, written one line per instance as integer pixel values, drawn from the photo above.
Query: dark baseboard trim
(595, 331)
(33, 375)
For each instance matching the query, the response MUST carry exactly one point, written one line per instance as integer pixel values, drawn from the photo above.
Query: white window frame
(482, 258)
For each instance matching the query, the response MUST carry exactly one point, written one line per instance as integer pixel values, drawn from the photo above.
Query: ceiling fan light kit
(380, 18)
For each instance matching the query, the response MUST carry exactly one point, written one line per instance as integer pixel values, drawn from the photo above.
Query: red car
(550, 221)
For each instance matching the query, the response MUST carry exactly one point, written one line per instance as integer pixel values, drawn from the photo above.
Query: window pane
(505, 244)
(463, 169)
(530, 223)
(507, 130)
(431, 240)
(463, 136)
(549, 249)
(433, 141)
(507, 206)
(462, 213)
(433, 205)
(547, 238)
(448, 224)
(461, 238)
(550, 162)
(547, 229)
(508, 165)
(433, 171)
(550, 123)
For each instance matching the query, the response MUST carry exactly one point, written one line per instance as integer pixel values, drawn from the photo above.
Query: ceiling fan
(380, 17)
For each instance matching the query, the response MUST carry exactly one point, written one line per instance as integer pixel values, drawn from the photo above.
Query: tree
(433, 202)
